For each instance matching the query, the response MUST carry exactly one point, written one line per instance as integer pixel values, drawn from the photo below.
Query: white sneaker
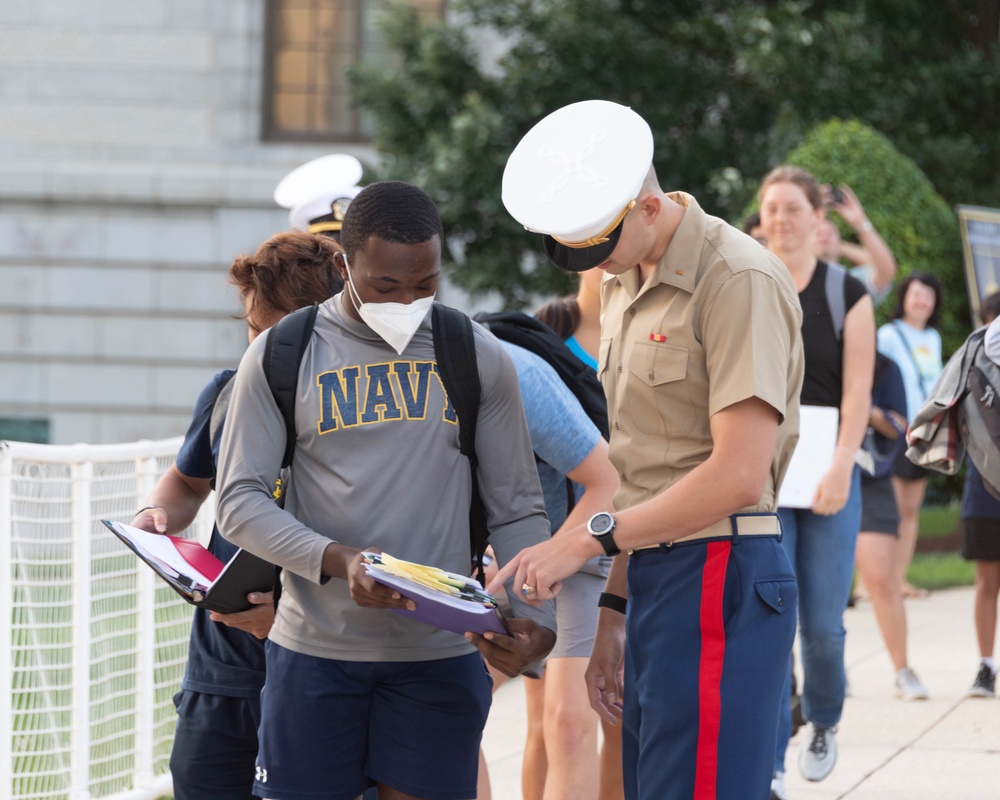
(778, 787)
(908, 685)
(818, 753)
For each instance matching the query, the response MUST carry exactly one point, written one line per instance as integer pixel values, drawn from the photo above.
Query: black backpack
(980, 418)
(531, 334)
(455, 351)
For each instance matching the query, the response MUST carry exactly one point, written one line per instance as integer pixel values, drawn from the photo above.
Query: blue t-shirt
(918, 355)
(221, 660)
(562, 436)
(580, 353)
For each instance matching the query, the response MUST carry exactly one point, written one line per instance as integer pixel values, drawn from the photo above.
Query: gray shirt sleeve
(508, 478)
(253, 443)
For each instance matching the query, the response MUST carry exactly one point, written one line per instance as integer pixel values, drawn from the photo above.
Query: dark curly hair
(289, 271)
(392, 211)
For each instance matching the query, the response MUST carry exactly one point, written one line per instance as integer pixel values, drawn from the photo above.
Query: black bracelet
(612, 601)
(144, 508)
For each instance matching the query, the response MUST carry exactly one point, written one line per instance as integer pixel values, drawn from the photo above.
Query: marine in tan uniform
(701, 360)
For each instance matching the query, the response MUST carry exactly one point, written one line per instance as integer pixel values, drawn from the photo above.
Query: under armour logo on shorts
(261, 774)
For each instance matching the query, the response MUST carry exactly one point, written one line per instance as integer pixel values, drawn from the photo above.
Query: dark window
(310, 46)
(14, 429)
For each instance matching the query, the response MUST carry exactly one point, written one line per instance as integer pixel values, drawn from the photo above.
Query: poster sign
(981, 251)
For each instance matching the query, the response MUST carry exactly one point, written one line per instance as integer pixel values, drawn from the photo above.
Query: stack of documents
(454, 602)
(194, 573)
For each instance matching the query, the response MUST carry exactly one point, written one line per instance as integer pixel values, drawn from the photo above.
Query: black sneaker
(985, 684)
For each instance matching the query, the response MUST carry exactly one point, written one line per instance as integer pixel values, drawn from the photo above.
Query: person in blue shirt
(560, 754)
(577, 320)
(218, 706)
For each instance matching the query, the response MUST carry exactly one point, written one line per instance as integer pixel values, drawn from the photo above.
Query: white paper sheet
(812, 457)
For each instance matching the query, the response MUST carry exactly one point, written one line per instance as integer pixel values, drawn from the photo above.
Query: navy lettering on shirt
(375, 393)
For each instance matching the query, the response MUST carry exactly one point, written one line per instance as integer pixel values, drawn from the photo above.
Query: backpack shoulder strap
(455, 351)
(286, 342)
(835, 279)
(220, 407)
(458, 368)
(283, 349)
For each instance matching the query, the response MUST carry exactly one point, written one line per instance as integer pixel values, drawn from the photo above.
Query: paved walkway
(947, 748)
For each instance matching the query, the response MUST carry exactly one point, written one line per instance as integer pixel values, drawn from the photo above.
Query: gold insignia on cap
(602, 237)
(339, 207)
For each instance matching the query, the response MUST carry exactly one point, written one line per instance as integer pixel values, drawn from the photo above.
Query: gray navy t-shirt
(377, 464)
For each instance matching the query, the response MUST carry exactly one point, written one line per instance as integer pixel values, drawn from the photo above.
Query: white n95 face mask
(396, 323)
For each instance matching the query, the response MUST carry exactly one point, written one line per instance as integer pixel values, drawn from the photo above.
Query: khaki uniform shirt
(717, 322)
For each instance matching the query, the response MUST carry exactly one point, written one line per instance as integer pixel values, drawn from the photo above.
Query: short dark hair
(392, 211)
(989, 309)
(928, 280)
(752, 221)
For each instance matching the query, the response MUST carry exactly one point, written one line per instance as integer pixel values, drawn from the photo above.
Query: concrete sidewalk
(945, 748)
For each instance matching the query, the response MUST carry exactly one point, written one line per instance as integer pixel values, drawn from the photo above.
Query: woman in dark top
(820, 540)
(878, 540)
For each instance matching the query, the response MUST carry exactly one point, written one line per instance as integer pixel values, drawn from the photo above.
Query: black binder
(227, 593)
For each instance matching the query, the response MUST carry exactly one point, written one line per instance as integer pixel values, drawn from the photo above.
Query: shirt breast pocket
(659, 398)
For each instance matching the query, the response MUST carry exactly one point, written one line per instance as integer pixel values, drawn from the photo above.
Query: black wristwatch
(602, 527)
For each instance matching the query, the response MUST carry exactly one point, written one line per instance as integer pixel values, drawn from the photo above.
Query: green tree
(729, 88)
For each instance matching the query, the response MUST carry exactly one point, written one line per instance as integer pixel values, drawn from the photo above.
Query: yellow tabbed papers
(444, 599)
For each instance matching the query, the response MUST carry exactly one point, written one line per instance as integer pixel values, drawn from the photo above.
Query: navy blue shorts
(330, 729)
(215, 746)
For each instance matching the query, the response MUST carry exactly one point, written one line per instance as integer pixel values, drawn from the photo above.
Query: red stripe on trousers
(713, 652)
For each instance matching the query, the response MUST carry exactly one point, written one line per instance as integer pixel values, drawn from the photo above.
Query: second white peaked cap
(311, 189)
(574, 175)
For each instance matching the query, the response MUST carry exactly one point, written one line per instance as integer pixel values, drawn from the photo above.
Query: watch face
(601, 523)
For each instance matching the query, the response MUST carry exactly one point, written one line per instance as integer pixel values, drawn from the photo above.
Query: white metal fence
(97, 642)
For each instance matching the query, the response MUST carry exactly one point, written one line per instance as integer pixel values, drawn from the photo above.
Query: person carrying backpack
(878, 538)
(567, 421)
(576, 320)
(218, 705)
(357, 695)
(820, 540)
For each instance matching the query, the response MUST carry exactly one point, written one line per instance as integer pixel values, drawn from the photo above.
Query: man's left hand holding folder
(256, 621)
